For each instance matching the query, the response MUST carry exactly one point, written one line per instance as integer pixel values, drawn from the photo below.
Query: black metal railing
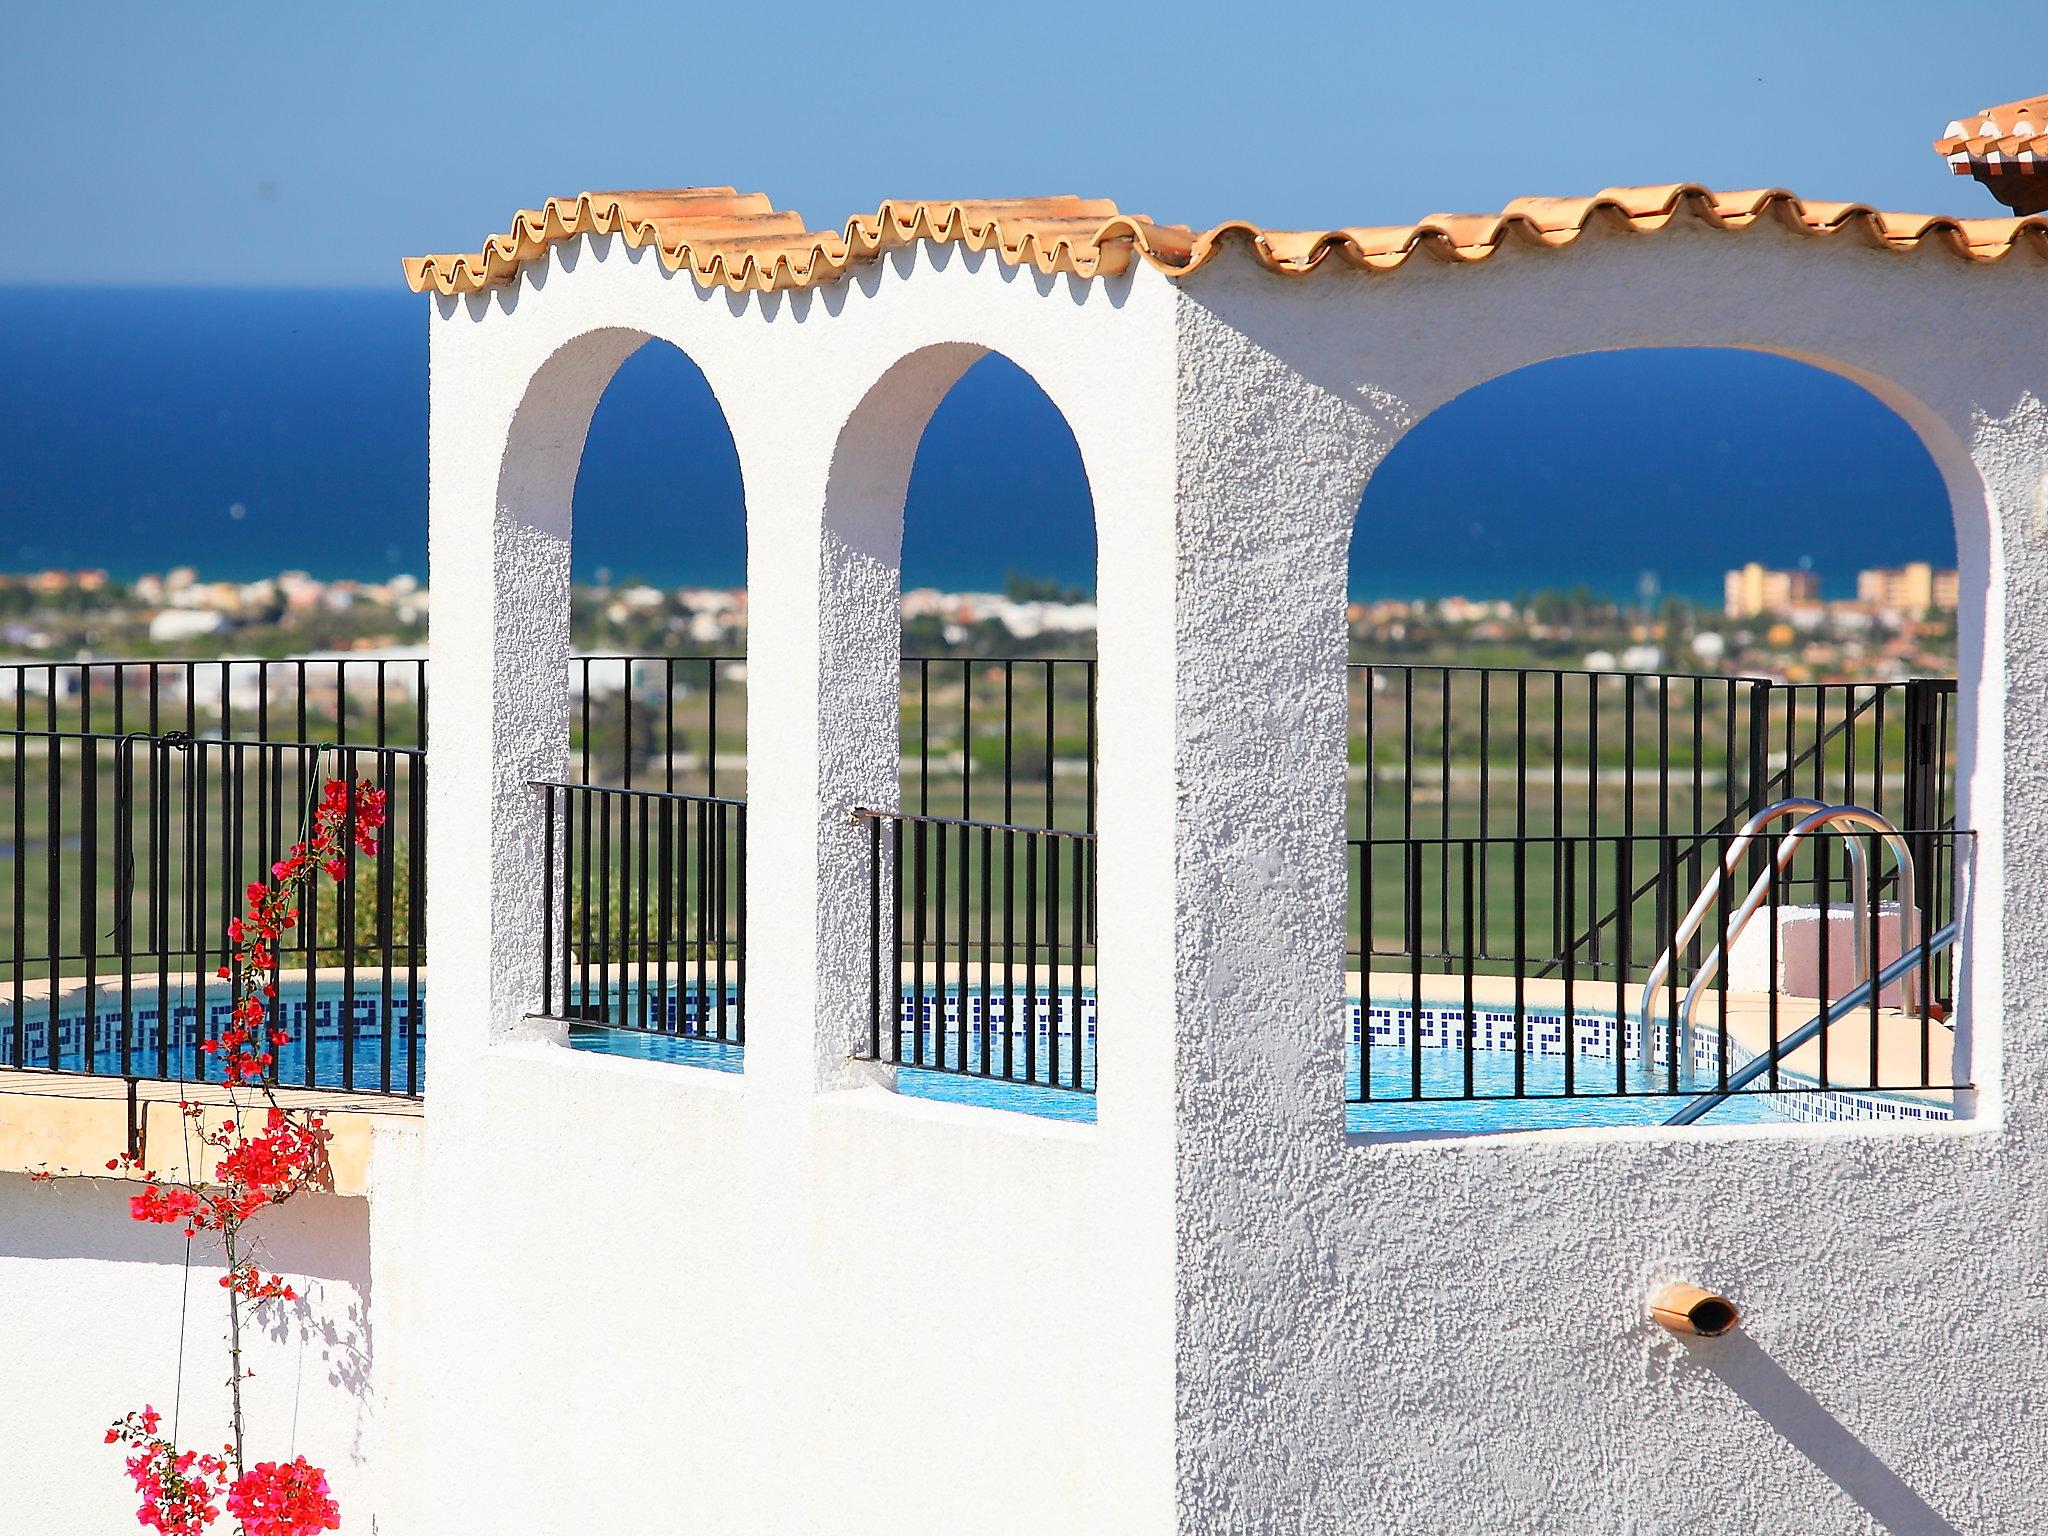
(1442, 756)
(1499, 755)
(128, 855)
(1453, 1001)
(644, 911)
(982, 959)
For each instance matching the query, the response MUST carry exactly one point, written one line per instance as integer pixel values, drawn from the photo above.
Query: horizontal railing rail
(1452, 1000)
(125, 858)
(982, 955)
(644, 911)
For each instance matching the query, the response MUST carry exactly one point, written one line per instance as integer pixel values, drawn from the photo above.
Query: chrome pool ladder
(1815, 815)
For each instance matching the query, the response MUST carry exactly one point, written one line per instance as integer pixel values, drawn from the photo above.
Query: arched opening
(1607, 613)
(983, 951)
(998, 577)
(647, 902)
(658, 602)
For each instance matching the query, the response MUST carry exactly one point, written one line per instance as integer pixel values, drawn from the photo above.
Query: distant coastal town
(1772, 623)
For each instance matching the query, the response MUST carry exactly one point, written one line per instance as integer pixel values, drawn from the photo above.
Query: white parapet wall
(101, 1315)
(794, 1301)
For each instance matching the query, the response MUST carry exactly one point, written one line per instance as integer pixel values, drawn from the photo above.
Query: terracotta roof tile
(2006, 148)
(740, 241)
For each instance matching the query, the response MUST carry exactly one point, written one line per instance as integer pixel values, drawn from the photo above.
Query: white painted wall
(90, 1302)
(1450, 1336)
(793, 1301)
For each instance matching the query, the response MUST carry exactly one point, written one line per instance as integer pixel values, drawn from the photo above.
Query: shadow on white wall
(1797, 1415)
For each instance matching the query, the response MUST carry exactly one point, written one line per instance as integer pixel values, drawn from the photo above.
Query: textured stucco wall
(1450, 1335)
(793, 1301)
(90, 1303)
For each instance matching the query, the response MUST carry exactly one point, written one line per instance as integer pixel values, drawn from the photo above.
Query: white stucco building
(626, 1295)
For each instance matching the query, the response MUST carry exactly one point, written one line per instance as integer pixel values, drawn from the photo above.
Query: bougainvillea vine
(262, 1154)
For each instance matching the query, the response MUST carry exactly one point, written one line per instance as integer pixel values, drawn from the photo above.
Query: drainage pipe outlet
(1689, 1310)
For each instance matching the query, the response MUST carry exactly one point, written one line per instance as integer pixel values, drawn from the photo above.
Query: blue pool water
(319, 1053)
(164, 1031)
(948, 1029)
(1440, 1108)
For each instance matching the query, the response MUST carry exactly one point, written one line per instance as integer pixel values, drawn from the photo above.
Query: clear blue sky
(236, 143)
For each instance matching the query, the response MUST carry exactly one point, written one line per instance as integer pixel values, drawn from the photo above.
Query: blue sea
(245, 432)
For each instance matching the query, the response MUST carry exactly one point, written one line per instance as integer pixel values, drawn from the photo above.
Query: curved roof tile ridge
(742, 242)
(2014, 129)
(2006, 148)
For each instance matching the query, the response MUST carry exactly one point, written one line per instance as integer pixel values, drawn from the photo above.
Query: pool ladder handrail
(1738, 846)
(1818, 815)
(1833, 1013)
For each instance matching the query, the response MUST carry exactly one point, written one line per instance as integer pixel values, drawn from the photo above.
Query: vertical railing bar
(1414, 894)
(606, 869)
(963, 987)
(1365, 927)
(547, 902)
(1668, 901)
(939, 914)
(723, 865)
(53, 862)
(1052, 952)
(987, 1018)
(1521, 966)
(1075, 1010)
(700, 904)
(896, 941)
(1824, 878)
(18, 857)
(415, 904)
(1051, 738)
(1624, 950)
(1009, 935)
(1031, 959)
(710, 725)
(665, 926)
(1724, 892)
(1569, 848)
(1471, 1006)
(1924, 977)
(1875, 852)
(1443, 865)
(1485, 798)
(739, 928)
(917, 911)
(875, 938)
(643, 1013)
(1556, 800)
(345, 917)
(88, 895)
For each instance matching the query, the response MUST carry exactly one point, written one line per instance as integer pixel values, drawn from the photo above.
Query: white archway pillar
(504, 446)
